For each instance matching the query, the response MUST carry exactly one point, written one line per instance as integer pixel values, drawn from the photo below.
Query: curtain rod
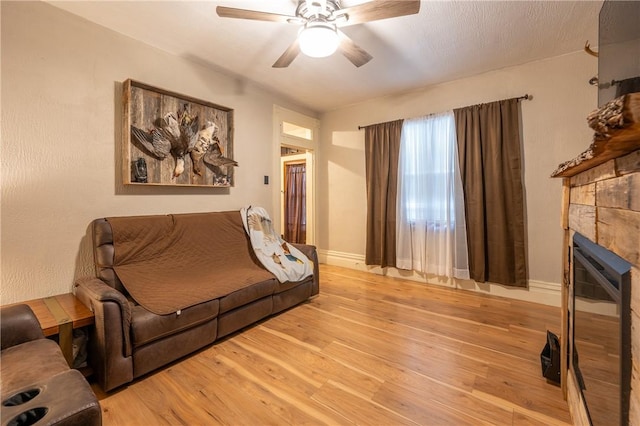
(526, 96)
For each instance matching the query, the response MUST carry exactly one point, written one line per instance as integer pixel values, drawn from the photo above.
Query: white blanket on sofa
(280, 258)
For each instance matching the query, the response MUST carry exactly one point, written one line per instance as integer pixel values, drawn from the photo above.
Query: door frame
(310, 146)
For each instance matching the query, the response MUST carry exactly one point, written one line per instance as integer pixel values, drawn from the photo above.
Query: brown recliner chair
(38, 387)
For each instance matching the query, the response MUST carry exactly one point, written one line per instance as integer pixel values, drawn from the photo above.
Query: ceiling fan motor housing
(317, 8)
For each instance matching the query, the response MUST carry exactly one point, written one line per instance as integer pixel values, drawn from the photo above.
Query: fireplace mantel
(609, 142)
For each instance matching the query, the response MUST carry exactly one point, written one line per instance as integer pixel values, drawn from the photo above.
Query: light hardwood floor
(368, 350)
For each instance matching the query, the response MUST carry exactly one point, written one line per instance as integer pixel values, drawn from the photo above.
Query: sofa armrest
(311, 252)
(110, 342)
(18, 324)
(91, 290)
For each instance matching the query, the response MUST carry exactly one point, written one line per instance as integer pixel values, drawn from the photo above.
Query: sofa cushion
(248, 294)
(168, 263)
(147, 327)
(26, 364)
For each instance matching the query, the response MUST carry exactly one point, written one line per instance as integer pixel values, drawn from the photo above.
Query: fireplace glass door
(601, 346)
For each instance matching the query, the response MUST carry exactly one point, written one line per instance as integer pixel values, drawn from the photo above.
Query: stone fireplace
(602, 205)
(601, 315)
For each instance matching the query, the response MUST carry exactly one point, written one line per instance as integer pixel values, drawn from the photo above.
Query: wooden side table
(60, 315)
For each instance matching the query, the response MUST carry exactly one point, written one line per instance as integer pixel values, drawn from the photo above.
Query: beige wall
(61, 110)
(60, 116)
(554, 130)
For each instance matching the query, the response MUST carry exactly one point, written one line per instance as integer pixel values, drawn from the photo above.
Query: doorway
(296, 138)
(297, 195)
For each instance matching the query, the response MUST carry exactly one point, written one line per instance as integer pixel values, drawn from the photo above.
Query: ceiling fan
(319, 22)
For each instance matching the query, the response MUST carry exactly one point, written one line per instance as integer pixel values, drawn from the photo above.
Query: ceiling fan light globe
(318, 41)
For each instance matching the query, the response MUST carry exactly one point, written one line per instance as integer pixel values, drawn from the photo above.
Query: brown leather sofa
(38, 387)
(128, 339)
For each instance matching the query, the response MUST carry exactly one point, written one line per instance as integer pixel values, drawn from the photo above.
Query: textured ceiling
(445, 41)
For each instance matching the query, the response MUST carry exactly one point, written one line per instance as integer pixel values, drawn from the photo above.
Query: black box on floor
(550, 358)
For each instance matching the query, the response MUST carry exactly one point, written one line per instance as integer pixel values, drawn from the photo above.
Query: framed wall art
(175, 140)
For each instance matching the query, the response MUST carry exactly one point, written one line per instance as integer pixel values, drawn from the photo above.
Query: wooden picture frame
(171, 139)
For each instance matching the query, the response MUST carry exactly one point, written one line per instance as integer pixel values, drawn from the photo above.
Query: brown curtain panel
(295, 204)
(490, 165)
(382, 149)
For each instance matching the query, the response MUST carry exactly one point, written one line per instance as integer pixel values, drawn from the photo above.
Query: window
(427, 161)
(297, 131)
(431, 232)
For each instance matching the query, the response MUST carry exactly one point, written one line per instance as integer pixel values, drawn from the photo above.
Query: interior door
(295, 202)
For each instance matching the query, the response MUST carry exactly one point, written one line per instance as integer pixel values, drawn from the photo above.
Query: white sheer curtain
(431, 234)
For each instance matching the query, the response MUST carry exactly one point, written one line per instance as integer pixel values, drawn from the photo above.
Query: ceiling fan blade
(288, 56)
(357, 55)
(377, 10)
(231, 12)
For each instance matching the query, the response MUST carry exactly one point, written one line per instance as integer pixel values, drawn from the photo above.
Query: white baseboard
(339, 258)
(542, 292)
